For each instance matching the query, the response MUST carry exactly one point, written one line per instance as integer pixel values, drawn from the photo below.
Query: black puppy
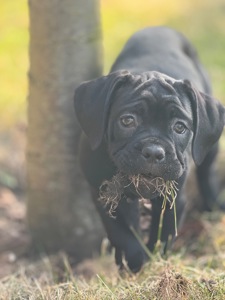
(151, 115)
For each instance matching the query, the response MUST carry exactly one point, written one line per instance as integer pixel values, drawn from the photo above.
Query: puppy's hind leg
(208, 181)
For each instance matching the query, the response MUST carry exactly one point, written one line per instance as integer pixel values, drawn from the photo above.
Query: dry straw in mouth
(111, 191)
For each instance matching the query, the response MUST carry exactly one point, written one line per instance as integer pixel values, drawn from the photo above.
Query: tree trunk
(65, 49)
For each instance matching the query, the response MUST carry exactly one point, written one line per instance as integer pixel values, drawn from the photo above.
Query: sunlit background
(202, 21)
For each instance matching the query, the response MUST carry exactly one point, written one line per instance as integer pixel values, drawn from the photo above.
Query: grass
(196, 273)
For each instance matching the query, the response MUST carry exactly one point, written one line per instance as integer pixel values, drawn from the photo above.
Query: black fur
(151, 115)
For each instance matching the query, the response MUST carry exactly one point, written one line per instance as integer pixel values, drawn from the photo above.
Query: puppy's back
(164, 50)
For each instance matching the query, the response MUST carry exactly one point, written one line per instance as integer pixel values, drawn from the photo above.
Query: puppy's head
(150, 122)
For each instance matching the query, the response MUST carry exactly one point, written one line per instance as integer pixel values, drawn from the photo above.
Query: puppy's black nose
(154, 153)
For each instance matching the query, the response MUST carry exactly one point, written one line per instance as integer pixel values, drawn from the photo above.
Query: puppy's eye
(179, 128)
(128, 120)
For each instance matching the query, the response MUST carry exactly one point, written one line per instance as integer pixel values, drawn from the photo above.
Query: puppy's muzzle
(158, 159)
(153, 154)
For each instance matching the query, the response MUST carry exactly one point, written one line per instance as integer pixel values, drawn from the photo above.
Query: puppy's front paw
(135, 259)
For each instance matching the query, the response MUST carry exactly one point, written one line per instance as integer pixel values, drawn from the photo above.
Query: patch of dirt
(15, 239)
(172, 285)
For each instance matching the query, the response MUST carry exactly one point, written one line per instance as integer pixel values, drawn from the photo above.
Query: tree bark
(65, 49)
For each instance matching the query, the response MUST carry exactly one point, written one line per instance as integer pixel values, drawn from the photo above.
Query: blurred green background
(202, 21)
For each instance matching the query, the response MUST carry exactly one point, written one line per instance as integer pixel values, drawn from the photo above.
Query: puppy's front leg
(118, 229)
(168, 225)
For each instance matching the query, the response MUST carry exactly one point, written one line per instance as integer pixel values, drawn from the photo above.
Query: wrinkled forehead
(154, 91)
(149, 82)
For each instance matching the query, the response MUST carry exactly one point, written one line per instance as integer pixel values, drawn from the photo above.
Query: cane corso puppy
(151, 115)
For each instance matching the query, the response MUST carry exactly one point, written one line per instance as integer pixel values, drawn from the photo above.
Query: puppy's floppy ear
(209, 120)
(92, 102)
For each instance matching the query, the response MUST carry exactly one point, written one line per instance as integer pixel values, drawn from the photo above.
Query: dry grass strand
(111, 191)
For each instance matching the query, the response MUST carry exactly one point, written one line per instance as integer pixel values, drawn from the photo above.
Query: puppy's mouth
(141, 186)
(146, 186)
(147, 177)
